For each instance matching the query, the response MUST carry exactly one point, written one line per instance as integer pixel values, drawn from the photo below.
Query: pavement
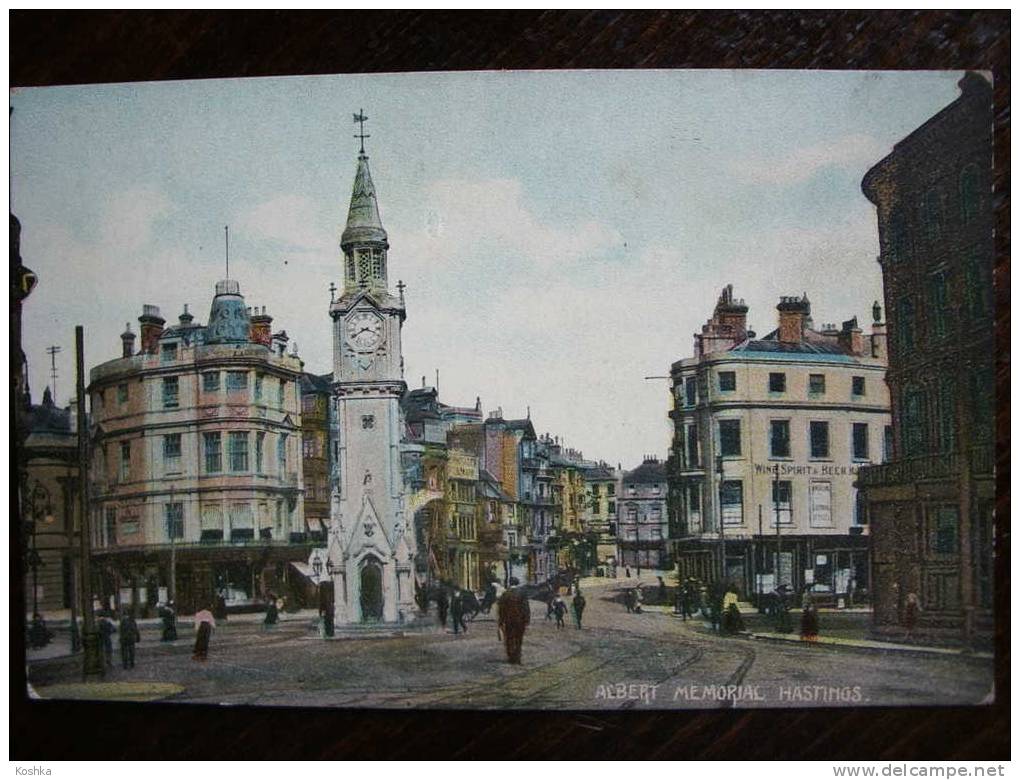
(618, 660)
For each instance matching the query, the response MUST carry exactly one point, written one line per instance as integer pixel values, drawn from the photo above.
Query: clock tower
(371, 548)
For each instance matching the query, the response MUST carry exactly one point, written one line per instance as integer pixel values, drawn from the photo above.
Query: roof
(649, 471)
(599, 472)
(47, 417)
(316, 383)
(363, 221)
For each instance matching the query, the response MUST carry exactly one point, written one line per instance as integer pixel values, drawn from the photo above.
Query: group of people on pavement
(128, 633)
(556, 607)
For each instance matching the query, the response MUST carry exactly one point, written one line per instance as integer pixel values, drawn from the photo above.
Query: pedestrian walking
(442, 605)
(578, 606)
(204, 624)
(662, 591)
(272, 613)
(169, 618)
(628, 599)
(106, 631)
(808, 619)
(628, 572)
(512, 620)
(457, 611)
(639, 598)
(129, 637)
(560, 609)
(550, 606)
(910, 613)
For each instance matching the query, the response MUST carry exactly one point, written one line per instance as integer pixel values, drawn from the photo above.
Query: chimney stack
(127, 339)
(260, 327)
(186, 317)
(793, 314)
(851, 337)
(151, 327)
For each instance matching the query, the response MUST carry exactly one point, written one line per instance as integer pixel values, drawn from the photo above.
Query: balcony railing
(938, 466)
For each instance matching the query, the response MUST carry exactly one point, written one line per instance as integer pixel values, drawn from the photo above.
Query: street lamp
(722, 532)
(316, 564)
(39, 509)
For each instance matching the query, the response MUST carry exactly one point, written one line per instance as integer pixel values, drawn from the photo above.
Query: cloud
(128, 217)
(803, 163)
(495, 214)
(295, 222)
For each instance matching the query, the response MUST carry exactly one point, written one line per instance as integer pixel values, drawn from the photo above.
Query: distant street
(618, 660)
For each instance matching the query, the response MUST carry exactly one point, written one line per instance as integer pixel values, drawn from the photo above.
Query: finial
(361, 135)
(332, 292)
(401, 287)
(226, 247)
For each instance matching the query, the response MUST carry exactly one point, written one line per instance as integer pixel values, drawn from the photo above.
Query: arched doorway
(371, 591)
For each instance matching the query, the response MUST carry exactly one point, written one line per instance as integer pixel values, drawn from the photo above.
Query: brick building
(931, 507)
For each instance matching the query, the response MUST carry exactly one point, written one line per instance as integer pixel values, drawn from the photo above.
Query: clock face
(363, 331)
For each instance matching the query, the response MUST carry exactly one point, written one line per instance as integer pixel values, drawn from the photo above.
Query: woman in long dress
(204, 623)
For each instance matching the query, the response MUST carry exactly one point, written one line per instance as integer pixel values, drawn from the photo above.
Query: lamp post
(722, 531)
(39, 509)
(92, 660)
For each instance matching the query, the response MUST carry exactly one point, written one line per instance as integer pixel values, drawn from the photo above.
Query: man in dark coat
(513, 619)
(106, 631)
(272, 612)
(442, 605)
(129, 636)
(457, 611)
(578, 606)
(169, 618)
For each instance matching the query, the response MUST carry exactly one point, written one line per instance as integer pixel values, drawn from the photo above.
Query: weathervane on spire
(360, 118)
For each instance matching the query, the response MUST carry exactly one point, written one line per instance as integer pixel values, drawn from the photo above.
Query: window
(110, 527)
(122, 393)
(213, 455)
(731, 499)
(727, 381)
(913, 438)
(281, 453)
(350, 267)
(238, 450)
(821, 504)
(242, 523)
(631, 513)
(168, 353)
(693, 460)
(779, 438)
(694, 497)
(258, 387)
(932, 215)
(281, 393)
(938, 304)
(816, 384)
(860, 509)
(611, 489)
(170, 392)
(777, 383)
(970, 193)
(211, 381)
(782, 502)
(260, 447)
(656, 489)
(125, 460)
(978, 287)
(860, 441)
(173, 514)
(887, 444)
(612, 507)
(237, 380)
(819, 439)
(691, 389)
(946, 530)
(858, 385)
(729, 438)
(172, 452)
(904, 326)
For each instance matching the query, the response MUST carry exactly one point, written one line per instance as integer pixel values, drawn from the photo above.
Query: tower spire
(364, 241)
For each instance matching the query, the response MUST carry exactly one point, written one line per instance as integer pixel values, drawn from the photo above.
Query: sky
(562, 234)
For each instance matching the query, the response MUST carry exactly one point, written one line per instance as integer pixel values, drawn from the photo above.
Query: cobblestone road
(618, 660)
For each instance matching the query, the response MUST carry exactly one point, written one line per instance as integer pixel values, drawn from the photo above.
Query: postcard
(564, 390)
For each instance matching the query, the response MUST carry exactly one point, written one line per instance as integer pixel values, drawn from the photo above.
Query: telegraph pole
(53, 352)
(93, 665)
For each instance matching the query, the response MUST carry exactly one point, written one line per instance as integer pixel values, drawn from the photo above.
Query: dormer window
(168, 352)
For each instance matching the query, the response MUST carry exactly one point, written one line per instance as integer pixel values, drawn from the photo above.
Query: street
(619, 660)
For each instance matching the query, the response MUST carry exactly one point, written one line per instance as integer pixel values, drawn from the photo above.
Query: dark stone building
(931, 507)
